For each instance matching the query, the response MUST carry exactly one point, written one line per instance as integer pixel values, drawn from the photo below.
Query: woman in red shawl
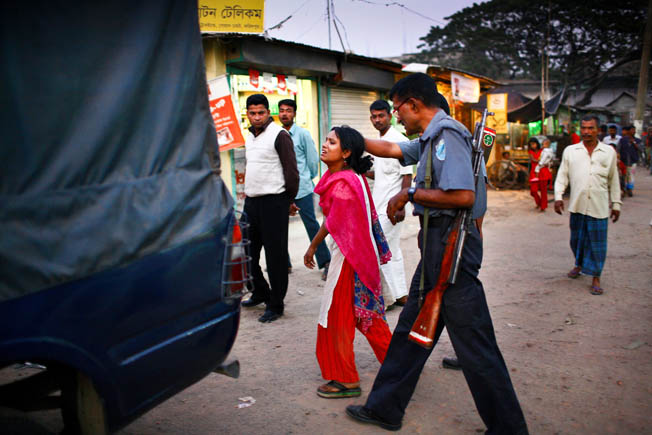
(352, 294)
(538, 182)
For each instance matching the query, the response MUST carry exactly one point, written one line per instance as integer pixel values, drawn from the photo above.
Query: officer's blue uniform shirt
(451, 162)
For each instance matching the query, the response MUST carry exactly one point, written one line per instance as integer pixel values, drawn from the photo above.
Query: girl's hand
(308, 258)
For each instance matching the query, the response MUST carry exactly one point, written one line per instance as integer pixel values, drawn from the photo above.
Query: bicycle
(505, 174)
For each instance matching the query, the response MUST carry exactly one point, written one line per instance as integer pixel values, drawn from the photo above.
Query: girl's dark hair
(352, 140)
(536, 141)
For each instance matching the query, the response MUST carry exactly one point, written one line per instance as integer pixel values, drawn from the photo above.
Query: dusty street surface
(580, 364)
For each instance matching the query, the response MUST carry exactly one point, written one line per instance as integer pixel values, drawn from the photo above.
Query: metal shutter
(351, 107)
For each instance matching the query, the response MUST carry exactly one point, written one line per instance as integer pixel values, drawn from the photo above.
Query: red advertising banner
(229, 133)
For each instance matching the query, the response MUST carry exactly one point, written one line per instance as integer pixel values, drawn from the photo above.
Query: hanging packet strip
(292, 84)
(268, 83)
(281, 85)
(254, 76)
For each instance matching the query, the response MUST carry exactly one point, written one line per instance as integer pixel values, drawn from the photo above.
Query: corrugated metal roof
(382, 63)
(427, 68)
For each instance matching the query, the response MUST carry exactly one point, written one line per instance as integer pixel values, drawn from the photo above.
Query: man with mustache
(271, 184)
(445, 147)
(591, 169)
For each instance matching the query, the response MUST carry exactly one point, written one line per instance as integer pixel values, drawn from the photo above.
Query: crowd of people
(358, 244)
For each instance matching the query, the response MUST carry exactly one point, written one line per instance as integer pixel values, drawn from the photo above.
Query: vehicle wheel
(82, 408)
(491, 175)
(502, 175)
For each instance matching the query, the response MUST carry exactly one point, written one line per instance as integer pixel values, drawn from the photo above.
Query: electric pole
(641, 95)
(328, 15)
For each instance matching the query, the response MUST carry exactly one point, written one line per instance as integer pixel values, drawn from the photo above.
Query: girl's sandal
(340, 393)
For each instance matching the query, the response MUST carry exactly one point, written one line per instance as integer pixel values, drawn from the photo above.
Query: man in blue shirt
(308, 164)
(464, 310)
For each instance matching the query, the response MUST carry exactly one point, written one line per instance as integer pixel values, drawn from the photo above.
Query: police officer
(464, 309)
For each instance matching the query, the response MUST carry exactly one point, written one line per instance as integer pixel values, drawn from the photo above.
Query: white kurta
(388, 178)
(337, 260)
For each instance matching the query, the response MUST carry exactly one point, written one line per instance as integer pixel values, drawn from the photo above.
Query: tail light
(237, 261)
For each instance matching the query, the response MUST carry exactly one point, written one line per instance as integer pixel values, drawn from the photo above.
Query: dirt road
(580, 364)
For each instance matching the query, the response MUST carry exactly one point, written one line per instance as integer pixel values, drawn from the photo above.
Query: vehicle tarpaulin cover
(108, 149)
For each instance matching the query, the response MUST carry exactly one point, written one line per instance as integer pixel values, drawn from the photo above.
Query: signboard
(497, 103)
(229, 134)
(464, 88)
(224, 16)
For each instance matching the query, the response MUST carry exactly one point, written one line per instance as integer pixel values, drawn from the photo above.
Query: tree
(504, 39)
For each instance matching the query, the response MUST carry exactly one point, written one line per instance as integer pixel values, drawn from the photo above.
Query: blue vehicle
(122, 261)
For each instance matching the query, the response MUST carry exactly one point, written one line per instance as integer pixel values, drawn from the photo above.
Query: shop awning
(531, 111)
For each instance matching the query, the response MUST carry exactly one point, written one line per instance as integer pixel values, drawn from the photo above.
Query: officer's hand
(615, 214)
(559, 207)
(400, 215)
(294, 209)
(396, 204)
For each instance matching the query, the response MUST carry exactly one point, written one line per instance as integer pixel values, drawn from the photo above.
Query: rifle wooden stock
(425, 325)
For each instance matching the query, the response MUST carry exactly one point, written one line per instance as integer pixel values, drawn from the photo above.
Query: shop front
(351, 107)
(329, 87)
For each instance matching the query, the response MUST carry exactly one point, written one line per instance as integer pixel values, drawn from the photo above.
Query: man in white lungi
(389, 178)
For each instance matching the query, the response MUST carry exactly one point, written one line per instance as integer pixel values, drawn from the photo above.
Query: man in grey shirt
(464, 310)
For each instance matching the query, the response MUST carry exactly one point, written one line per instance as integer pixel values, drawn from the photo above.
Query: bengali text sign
(223, 16)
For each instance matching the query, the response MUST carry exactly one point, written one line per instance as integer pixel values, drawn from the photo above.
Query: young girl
(538, 179)
(352, 294)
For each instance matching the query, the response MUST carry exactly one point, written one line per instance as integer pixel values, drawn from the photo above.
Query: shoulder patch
(440, 150)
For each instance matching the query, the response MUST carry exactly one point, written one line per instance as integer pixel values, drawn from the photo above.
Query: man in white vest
(389, 178)
(271, 184)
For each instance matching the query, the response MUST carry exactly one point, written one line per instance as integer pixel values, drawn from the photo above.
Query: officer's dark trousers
(466, 316)
(268, 218)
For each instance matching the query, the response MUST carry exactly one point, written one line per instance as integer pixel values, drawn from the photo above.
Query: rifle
(425, 325)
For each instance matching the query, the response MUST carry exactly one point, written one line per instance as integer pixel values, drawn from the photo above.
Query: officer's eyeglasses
(397, 108)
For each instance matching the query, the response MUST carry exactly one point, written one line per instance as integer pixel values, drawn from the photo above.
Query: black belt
(436, 221)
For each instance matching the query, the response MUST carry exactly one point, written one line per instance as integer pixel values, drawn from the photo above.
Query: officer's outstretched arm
(383, 148)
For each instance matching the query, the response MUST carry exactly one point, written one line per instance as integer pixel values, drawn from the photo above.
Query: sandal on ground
(341, 391)
(574, 273)
(595, 290)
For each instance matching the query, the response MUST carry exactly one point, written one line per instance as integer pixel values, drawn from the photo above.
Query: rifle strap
(426, 215)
